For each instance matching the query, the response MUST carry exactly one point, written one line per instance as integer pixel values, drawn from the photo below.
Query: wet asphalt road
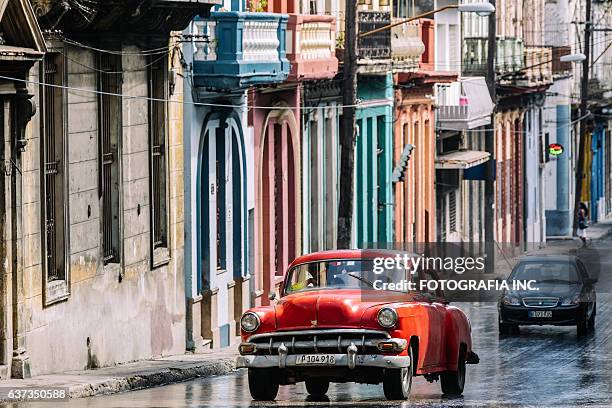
(542, 366)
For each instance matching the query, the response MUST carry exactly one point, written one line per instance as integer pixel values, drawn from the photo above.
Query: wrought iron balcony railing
(374, 50)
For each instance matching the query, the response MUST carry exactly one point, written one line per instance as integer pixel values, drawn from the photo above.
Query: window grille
(109, 84)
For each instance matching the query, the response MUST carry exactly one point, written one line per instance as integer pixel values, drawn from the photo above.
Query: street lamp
(573, 58)
(482, 9)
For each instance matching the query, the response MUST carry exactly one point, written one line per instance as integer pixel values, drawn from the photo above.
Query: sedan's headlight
(250, 322)
(571, 301)
(511, 300)
(387, 317)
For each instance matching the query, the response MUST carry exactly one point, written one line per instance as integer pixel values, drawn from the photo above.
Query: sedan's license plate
(323, 359)
(540, 313)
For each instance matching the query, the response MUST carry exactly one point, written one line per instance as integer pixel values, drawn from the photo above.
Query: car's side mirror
(272, 295)
(590, 281)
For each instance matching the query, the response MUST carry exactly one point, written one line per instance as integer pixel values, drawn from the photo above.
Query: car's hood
(552, 289)
(319, 309)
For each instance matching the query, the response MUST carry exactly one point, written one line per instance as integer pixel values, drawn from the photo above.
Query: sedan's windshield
(339, 274)
(546, 272)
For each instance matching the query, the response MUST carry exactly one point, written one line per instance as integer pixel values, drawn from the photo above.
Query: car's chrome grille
(540, 301)
(319, 341)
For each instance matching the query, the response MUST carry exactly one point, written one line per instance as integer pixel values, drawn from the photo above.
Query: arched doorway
(278, 197)
(222, 225)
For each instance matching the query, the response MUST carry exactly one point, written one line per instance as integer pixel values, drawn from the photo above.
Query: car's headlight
(570, 301)
(250, 322)
(511, 300)
(387, 317)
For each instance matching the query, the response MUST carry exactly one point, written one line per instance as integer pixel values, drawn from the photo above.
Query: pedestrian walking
(583, 214)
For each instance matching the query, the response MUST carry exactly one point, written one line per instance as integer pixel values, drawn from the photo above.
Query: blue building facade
(230, 52)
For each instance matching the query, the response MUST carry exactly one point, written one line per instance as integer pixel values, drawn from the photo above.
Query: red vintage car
(333, 323)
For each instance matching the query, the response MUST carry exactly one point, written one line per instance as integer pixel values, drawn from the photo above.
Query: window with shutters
(158, 118)
(54, 178)
(109, 128)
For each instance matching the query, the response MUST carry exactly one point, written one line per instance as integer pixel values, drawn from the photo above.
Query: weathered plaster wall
(105, 320)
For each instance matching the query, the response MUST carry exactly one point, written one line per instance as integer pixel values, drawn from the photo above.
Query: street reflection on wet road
(547, 366)
(541, 366)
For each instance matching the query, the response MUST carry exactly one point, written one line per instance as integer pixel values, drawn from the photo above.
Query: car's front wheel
(398, 381)
(452, 382)
(592, 318)
(263, 384)
(317, 387)
(586, 323)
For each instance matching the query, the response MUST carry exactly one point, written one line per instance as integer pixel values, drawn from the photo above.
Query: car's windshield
(546, 271)
(340, 274)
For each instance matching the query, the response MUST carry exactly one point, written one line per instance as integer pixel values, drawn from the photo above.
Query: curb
(165, 376)
(79, 386)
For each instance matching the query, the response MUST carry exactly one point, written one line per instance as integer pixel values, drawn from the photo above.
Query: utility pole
(584, 97)
(348, 131)
(489, 212)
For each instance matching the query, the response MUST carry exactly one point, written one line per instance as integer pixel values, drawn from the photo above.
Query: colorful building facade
(244, 144)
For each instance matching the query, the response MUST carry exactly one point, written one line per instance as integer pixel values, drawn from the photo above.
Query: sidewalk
(558, 245)
(600, 230)
(134, 376)
(596, 231)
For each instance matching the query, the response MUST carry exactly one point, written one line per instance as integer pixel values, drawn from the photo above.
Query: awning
(463, 159)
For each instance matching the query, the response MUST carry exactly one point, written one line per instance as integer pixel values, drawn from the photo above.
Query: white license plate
(540, 313)
(322, 359)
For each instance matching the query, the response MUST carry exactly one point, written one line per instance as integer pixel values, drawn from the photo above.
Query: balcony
(406, 46)
(236, 50)
(463, 105)
(510, 55)
(538, 67)
(374, 50)
(311, 47)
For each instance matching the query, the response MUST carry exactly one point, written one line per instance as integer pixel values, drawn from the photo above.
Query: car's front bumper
(341, 360)
(561, 316)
